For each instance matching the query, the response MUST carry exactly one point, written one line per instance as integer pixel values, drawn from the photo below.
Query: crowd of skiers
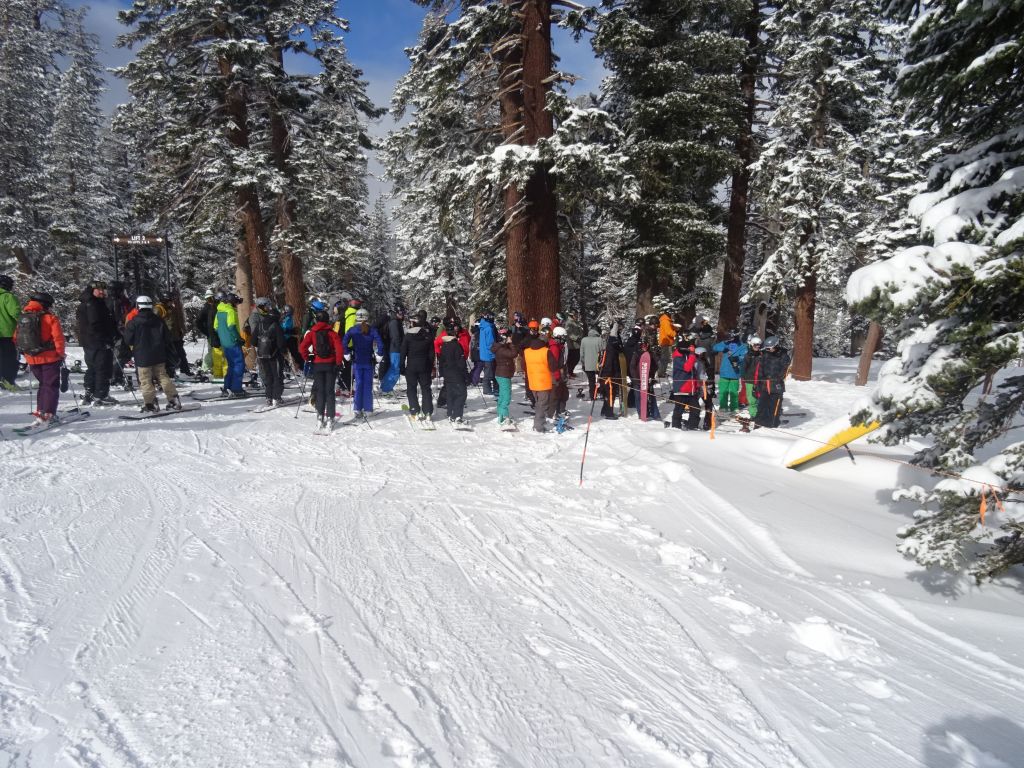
(339, 349)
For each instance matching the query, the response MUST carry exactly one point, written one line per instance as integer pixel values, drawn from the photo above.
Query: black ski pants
(455, 387)
(769, 409)
(688, 404)
(99, 363)
(272, 373)
(8, 360)
(421, 380)
(323, 389)
(591, 382)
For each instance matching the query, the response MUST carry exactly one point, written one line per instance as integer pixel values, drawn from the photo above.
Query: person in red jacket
(46, 354)
(323, 344)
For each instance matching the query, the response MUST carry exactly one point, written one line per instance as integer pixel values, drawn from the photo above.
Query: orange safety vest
(537, 370)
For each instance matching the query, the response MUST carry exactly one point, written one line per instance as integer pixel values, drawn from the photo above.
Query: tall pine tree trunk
(291, 262)
(736, 239)
(867, 352)
(803, 327)
(247, 199)
(531, 239)
(806, 295)
(647, 284)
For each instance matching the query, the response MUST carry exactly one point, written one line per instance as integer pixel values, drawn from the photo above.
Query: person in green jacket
(226, 325)
(10, 312)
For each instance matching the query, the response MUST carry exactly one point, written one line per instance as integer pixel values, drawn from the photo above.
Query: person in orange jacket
(40, 339)
(540, 365)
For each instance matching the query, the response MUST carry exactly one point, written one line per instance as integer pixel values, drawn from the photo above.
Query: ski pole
(586, 438)
(74, 392)
(302, 392)
(124, 375)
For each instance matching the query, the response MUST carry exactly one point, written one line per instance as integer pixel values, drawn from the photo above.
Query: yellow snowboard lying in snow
(834, 435)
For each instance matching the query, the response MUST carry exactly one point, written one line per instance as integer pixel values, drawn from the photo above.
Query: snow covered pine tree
(957, 304)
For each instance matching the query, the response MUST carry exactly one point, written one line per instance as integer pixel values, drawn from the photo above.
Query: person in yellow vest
(342, 325)
(540, 364)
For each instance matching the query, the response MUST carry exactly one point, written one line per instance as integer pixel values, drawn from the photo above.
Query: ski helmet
(533, 325)
(6, 282)
(545, 321)
(754, 341)
(362, 316)
(699, 351)
(355, 302)
(771, 342)
(317, 306)
(208, 294)
(144, 302)
(264, 303)
(42, 297)
(559, 332)
(222, 296)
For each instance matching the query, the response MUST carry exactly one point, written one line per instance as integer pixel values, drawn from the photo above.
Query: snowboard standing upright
(645, 375)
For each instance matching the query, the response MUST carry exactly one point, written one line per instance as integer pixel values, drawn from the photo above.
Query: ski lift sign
(138, 240)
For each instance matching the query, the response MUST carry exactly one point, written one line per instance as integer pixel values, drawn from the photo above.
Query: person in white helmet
(751, 366)
(364, 346)
(153, 348)
(560, 349)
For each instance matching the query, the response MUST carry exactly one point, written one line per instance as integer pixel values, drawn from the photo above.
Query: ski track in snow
(224, 588)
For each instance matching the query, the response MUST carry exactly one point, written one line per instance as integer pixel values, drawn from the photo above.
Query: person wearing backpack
(364, 342)
(267, 338)
(97, 333)
(40, 339)
(322, 346)
(9, 314)
(154, 350)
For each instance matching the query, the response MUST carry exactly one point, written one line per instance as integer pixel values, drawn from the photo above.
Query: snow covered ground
(224, 588)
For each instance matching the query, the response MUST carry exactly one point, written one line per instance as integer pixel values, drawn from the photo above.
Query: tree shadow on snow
(977, 742)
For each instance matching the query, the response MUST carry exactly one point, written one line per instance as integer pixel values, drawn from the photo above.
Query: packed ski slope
(224, 588)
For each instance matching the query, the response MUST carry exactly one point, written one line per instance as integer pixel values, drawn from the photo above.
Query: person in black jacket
(97, 333)
(771, 383)
(608, 372)
(416, 363)
(451, 364)
(153, 348)
(267, 338)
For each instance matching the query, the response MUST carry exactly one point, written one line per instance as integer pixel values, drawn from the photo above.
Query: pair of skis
(68, 416)
(424, 425)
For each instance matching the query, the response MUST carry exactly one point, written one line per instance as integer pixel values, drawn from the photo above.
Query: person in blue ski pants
(365, 344)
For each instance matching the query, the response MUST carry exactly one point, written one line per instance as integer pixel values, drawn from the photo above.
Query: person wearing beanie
(40, 339)
(505, 355)
(416, 363)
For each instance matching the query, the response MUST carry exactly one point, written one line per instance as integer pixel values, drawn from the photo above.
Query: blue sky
(380, 31)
